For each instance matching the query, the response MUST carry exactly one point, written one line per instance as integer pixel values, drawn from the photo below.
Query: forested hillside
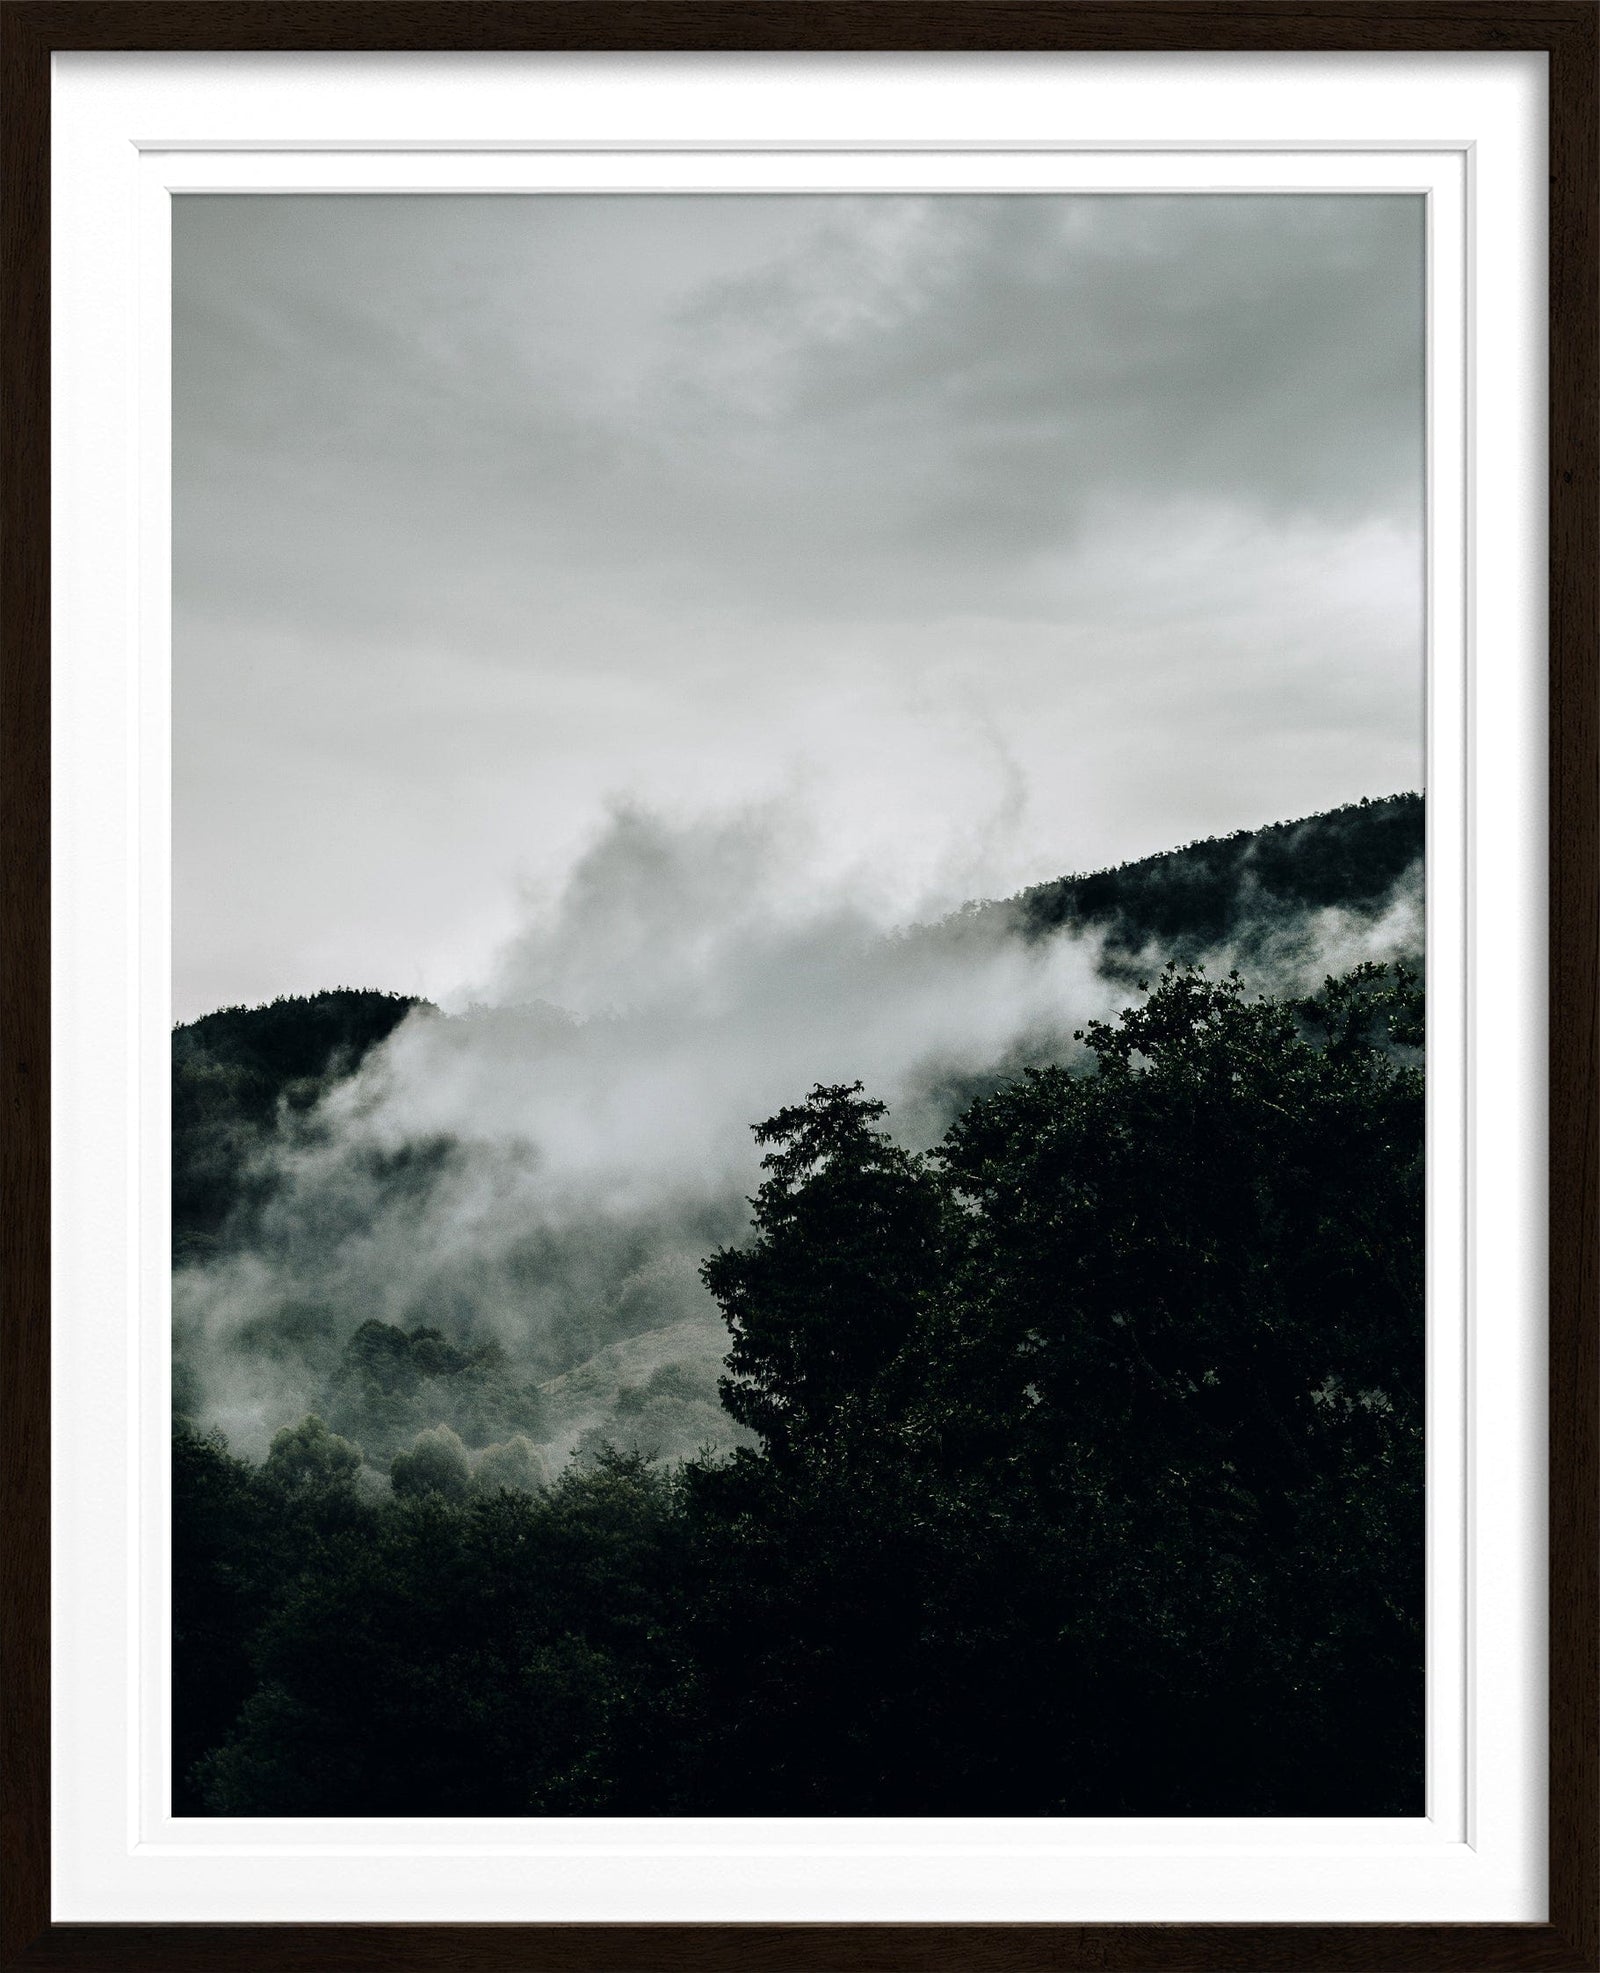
(235, 1070)
(1239, 890)
(1086, 1479)
(1049, 1443)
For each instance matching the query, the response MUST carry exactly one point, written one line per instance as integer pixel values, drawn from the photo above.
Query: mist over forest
(761, 1365)
(534, 1184)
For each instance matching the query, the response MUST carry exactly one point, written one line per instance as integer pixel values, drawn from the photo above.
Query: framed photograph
(801, 895)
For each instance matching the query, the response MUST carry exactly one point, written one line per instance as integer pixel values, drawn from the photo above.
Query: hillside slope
(483, 1283)
(1235, 890)
(230, 1072)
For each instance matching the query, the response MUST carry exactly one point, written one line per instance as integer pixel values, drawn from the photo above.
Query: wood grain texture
(1574, 988)
(805, 1948)
(29, 31)
(25, 999)
(910, 25)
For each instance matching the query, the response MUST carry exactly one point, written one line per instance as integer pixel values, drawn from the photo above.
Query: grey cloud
(904, 397)
(489, 512)
(1265, 352)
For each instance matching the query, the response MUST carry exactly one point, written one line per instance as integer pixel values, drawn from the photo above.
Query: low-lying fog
(546, 1166)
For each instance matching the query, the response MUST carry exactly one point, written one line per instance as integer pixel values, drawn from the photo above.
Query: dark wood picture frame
(1569, 31)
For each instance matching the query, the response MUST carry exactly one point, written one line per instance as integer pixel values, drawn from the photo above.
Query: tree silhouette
(1089, 1481)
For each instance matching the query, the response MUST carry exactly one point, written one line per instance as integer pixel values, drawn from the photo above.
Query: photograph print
(797, 1068)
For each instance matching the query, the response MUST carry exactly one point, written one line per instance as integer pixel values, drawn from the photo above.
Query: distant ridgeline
(233, 1069)
(1236, 890)
(230, 1072)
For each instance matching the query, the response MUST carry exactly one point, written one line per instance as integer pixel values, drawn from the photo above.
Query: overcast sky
(961, 542)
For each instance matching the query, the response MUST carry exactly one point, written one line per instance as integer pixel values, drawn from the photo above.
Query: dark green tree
(513, 1655)
(1092, 1465)
(1189, 1326)
(309, 1455)
(823, 1301)
(437, 1463)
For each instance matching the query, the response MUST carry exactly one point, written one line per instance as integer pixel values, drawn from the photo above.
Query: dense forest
(1240, 890)
(235, 1072)
(1069, 1464)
